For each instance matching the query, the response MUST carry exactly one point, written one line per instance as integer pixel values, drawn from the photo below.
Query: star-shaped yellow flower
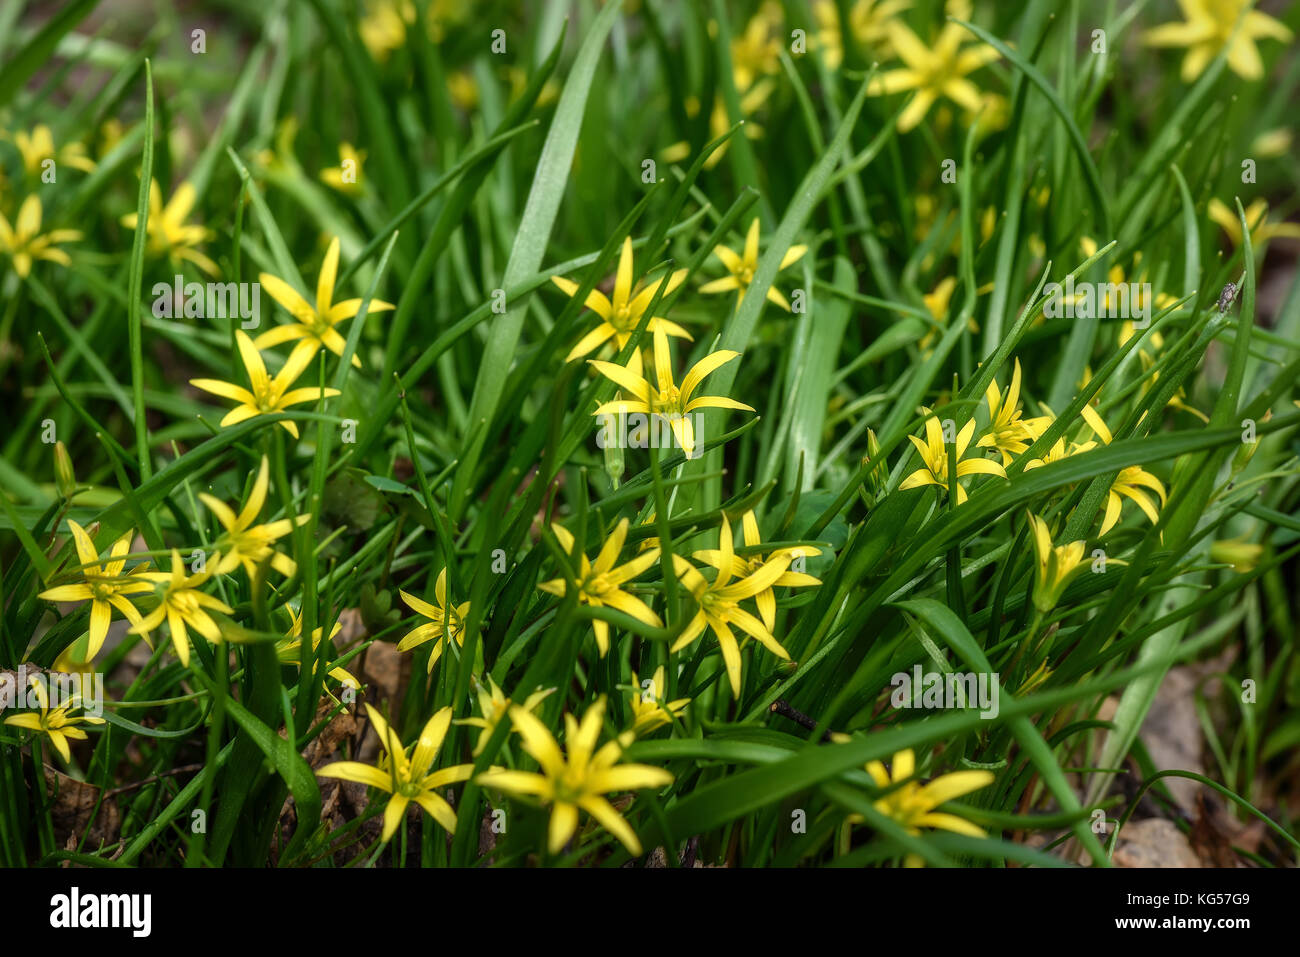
(181, 604)
(57, 725)
(1057, 565)
(650, 710)
(576, 781)
(934, 458)
(24, 243)
(718, 604)
(934, 71)
(912, 804)
(1129, 483)
(346, 177)
(167, 231)
(600, 583)
(622, 314)
(105, 587)
(868, 22)
(749, 564)
(1208, 28)
(245, 543)
(289, 649)
(493, 705)
(38, 146)
(756, 50)
(1008, 432)
(667, 399)
(452, 616)
(407, 779)
(268, 394)
(1261, 230)
(741, 268)
(315, 325)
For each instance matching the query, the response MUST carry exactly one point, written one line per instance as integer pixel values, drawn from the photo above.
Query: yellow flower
(756, 51)
(936, 301)
(268, 394)
(1208, 28)
(750, 564)
(741, 268)
(649, 710)
(168, 234)
(1271, 143)
(667, 400)
(1008, 432)
(578, 780)
(493, 705)
(622, 315)
(57, 725)
(1261, 231)
(346, 177)
(38, 146)
(406, 778)
(24, 242)
(1129, 483)
(105, 587)
(912, 804)
(289, 648)
(315, 326)
(383, 27)
(939, 70)
(245, 543)
(868, 22)
(453, 617)
(182, 603)
(600, 583)
(934, 458)
(718, 604)
(1057, 565)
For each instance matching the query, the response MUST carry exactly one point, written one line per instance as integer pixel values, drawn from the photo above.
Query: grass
(731, 615)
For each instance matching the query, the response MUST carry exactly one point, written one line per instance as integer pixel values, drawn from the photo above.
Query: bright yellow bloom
(38, 146)
(934, 71)
(268, 394)
(621, 315)
(1208, 28)
(937, 301)
(315, 325)
(57, 725)
(649, 709)
(578, 780)
(868, 22)
(1261, 230)
(439, 615)
(741, 268)
(742, 566)
(1008, 432)
(168, 234)
(934, 458)
(245, 543)
(24, 243)
(667, 400)
(105, 587)
(1057, 565)
(600, 583)
(383, 27)
(289, 648)
(1129, 483)
(493, 705)
(756, 51)
(406, 778)
(182, 603)
(346, 177)
(718, 604)
(912, 804)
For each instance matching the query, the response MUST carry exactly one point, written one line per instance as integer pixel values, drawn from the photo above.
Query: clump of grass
(742, 433)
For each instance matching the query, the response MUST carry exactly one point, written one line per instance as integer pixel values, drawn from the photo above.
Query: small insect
(1227, 297)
